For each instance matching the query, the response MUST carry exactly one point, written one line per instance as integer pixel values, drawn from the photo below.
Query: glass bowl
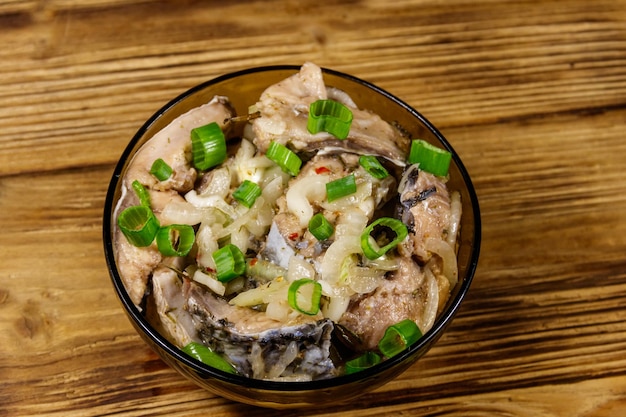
(243, 88)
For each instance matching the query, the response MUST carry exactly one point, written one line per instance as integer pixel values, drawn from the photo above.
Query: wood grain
(532, 94)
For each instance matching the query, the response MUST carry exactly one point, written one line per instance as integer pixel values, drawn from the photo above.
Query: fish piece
(400, 296)
(425, 208)
(276, 247)
(415, 290)
(173, 145)
(136, 264)
(284, 109)
(258, 346)
(175, 322)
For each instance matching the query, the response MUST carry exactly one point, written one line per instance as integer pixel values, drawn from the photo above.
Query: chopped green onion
(329, 116)
(161, 170)
(142, 193)
(205, 355)
(320, 227)
(208, 146)
(398, 337)
(139, 225)
(286, 159)
(175, 239)
(247, 193)
(367, 360)
(373, 167)
(229, 263)
(262, 270)
(340, 188)
(304, 296)
(372, 247)
(430, 158)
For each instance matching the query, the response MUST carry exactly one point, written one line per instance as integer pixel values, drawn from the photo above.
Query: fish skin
(242, 333)
(284, 109)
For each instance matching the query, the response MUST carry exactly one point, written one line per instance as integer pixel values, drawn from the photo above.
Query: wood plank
(482, 82)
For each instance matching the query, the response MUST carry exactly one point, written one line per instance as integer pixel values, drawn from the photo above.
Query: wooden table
(532, 94)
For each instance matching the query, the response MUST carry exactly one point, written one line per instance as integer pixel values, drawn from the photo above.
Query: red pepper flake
(293, 236)
(322, 170)
(210, 270)
(253, 261)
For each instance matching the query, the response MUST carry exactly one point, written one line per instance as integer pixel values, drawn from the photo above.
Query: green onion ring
(398, 337)
(284, 157)
(230, 263)
(205, 355)
(373, 166)
(367, 360)
(294, 296)
(429, 157)
(208, 146)
(161, 170)
(139, 225)
(175, 239)
(329, 116)
(371, 248)
(247, 193)
(320, 227)
(340, 187)
(142, 193)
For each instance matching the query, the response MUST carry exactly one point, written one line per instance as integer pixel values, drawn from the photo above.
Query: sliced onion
(302, 192)
(335, 307)
(207, 244)
(219, 185)
(183, 212)
(432, 301)
(455, 218)
(272, 291)
(278, 310)
(252, 297)
(334, 290)
(299, 268)
(335, 255)
(259, 224)
(236, 285)
(240, 238)
(384, 263)
(448, 257)
(210, 201)
(248, 166)
(351, 222)
(273, 189)
(364, 280)
(272, 173)
(207, 280)
(242, 216)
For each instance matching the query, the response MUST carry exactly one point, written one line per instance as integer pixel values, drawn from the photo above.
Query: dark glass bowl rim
(209, 372)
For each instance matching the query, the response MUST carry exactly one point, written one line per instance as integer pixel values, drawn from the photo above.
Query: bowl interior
(243, 88)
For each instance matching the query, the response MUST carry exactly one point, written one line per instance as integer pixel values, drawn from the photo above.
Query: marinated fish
(259, 346)
(171, 144)
(289, 260)
(284, 109)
